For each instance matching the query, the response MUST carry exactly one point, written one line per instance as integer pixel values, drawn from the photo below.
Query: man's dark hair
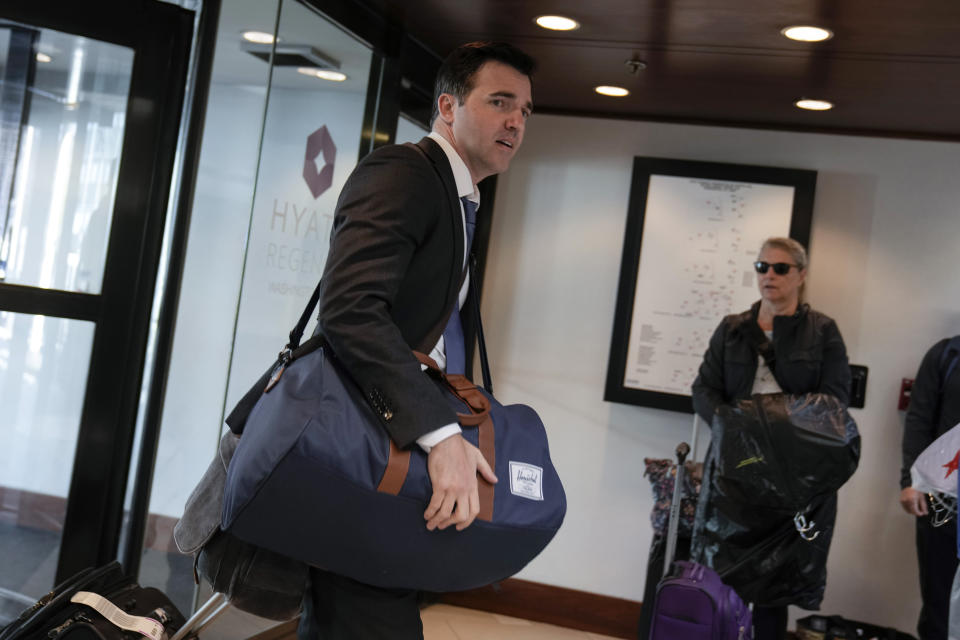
(457, 71)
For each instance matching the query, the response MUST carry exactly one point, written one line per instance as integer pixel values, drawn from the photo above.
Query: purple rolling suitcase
(692, 602)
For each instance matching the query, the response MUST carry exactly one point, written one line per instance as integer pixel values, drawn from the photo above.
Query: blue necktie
(453, 333)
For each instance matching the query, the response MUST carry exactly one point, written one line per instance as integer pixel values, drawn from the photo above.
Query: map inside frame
(693, 232)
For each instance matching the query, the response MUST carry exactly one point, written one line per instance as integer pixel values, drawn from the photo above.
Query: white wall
(884, 235)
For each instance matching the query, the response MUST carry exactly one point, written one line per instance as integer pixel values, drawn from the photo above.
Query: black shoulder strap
(297, 332)
(481, 343)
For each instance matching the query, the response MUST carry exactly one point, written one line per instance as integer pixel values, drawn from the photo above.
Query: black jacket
(391, 280)
(809, 357)
(934, 406)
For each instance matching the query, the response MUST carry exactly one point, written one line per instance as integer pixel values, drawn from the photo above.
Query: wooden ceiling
(892, 68)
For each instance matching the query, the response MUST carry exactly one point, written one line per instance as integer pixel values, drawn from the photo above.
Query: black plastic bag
(768, 504)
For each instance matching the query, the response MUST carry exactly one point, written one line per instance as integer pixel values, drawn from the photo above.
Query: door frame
(160, 35)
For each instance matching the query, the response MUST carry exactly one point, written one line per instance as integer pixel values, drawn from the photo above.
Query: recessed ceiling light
(323, 74)
(42, 57)
(557, 23)
(806, 33)
(813, 105)
(616, 92)
(260, 37)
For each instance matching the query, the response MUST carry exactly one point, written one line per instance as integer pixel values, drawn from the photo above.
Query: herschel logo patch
(526, 480)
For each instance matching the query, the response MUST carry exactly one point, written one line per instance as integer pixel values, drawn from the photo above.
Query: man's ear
(446, 105)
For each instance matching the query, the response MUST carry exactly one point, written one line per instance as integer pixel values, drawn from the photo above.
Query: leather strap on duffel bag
(398, 462)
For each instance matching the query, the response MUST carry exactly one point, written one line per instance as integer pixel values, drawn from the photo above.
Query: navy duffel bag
(316, 477)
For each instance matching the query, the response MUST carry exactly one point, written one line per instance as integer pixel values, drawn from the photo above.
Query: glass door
(283, 126)
(89, 113)
(312, 126)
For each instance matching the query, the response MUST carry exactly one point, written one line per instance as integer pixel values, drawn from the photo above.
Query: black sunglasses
(779, 268)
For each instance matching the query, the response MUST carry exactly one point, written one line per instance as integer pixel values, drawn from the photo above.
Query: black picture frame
(803, 182)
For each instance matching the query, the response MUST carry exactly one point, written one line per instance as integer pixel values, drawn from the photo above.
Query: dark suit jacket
(391, 280)
(810, 357)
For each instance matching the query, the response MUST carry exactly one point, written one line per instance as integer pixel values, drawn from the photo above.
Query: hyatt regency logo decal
(319, 142)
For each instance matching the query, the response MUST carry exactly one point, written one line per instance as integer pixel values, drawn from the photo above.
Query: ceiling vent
(291, 55)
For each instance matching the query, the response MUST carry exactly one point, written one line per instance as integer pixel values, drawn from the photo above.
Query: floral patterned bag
(661, 473)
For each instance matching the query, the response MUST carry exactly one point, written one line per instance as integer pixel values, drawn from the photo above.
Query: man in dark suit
(394, 273)
(934, 409)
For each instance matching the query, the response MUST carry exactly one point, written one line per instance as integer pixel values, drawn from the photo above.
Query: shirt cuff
(429, 440)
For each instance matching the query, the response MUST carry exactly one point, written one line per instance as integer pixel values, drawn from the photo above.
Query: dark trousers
(769, 623)
(338, 608)
(937, 559)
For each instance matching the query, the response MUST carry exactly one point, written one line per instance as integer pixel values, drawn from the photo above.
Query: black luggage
(818, 627)
(118, 609)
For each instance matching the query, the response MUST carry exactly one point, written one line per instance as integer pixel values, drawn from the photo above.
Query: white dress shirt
(465, 188)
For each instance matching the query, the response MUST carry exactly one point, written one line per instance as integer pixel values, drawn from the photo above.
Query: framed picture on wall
(693, 232)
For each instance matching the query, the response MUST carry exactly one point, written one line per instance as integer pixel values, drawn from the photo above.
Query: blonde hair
(791, 246)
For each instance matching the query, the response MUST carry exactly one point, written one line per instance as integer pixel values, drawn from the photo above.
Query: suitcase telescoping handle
(682, 450)
(695, 437)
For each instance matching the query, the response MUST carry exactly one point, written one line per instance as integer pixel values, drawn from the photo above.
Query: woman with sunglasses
(778, 345)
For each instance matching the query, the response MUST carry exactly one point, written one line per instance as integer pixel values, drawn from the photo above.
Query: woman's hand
(694, 470)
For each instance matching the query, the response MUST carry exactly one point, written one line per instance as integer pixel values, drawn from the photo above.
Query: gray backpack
(261, 582)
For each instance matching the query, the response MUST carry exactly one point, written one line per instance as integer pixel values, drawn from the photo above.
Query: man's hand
(453, 465)
(913, 502)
